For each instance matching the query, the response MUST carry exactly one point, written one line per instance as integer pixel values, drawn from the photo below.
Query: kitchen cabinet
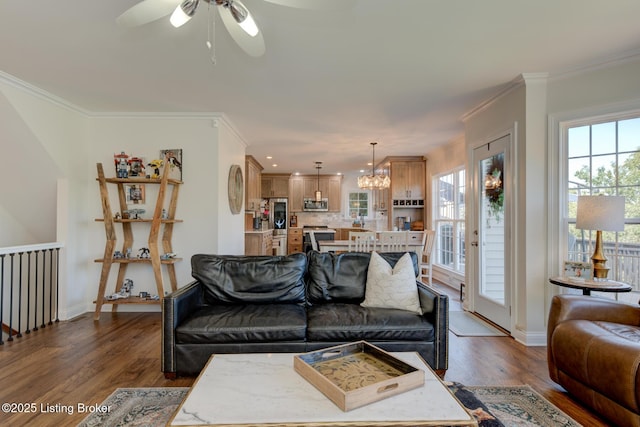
(274, 185)
(253, 183)
(333, 192)
(258, 242)
(408, 180)
(407, 195)
(296, 194)
(294, 240)
(306, 185)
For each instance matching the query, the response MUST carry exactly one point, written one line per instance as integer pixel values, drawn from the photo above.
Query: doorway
(491, 238)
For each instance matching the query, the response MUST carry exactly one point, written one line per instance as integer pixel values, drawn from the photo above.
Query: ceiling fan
(234, 14)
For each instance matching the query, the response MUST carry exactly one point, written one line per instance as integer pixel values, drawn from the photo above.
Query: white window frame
(458, 224)
(368, 202)
(558, 196)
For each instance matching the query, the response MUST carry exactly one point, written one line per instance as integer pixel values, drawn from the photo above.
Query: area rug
(465, 324)
(492, 407)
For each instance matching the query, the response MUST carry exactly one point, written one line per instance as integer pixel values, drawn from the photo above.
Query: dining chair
(362, 241)
(393, 241)
(314, 242)
(416, 241)
(426, 262)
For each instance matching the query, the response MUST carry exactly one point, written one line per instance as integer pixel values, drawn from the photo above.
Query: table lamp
(600, 213)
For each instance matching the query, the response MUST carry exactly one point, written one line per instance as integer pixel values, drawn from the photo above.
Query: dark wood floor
(82, 361)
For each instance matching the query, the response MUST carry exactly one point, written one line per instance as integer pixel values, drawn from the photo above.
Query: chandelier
(373, 181)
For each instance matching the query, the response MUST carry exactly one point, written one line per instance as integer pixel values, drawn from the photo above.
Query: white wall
(231, 151)
(502, 115)
(209, 147)
(609, 90)
(53, 148)
(44, 146)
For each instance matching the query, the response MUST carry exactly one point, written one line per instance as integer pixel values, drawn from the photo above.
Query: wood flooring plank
(82, 360)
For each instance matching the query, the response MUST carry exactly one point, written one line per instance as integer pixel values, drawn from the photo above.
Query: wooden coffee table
(262, 389)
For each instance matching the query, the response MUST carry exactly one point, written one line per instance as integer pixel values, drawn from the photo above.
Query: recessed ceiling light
(275, 165)
(339, 173)
(361, 170)
(269, 157)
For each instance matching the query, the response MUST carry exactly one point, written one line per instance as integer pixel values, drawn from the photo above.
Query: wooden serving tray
(357, 374)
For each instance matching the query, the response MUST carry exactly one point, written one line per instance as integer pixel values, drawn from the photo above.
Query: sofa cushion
(389, 287)
(251, 279)
(244, 323)
(352, 322)
(342, 277)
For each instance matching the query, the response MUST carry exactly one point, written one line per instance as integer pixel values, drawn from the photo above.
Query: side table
(591, 285)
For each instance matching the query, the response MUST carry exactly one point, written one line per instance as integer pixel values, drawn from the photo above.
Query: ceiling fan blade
(311, 4)
(146, 11)
(252, 45)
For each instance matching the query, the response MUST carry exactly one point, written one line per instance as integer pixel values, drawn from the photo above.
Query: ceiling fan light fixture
(242, 16)
(183, 13)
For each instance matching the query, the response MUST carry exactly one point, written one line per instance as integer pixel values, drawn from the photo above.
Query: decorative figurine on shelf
(164, 214)
(125, 291)
(136, 166)
(117, 215)
(168, 255)
(143, 253)
(127, 254)
(156, 165)
(118, 255)
(122, 164)
(127, 287)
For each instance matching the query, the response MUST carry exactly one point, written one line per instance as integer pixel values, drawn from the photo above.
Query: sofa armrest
(435, 307)
(578, 307)
(176, 307)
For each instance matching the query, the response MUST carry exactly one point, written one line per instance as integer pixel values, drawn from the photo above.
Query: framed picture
(173, 160)
(134, 194)
(577, 269)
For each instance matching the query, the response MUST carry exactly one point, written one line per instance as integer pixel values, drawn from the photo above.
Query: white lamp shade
(605, 213)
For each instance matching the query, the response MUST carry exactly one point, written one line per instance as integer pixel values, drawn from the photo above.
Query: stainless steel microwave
(310, 205)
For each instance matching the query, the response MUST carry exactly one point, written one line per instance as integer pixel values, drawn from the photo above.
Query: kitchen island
(258, 242)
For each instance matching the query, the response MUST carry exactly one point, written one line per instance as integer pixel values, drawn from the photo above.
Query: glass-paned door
(492, 290)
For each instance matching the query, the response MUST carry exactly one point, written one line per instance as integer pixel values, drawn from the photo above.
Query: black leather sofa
(295, 303)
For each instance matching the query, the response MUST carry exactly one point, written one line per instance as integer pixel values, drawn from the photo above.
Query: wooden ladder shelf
(158, 224)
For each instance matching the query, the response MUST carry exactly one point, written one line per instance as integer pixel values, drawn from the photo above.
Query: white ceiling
(400, 72)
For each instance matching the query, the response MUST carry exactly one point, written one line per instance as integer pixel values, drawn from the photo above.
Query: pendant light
(373, 181)
(318, 192)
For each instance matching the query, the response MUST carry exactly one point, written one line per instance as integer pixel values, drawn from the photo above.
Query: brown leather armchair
(593, 350)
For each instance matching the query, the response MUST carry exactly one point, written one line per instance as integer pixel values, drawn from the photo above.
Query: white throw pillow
(391, 287)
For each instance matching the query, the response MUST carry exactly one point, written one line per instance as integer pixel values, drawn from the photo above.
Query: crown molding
(613, 61)
(216, 118)
(42, 94)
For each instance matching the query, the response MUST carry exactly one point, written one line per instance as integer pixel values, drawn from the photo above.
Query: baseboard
(530, 339)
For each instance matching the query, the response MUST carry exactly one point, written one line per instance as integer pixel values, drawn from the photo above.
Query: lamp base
(600, 273)
(600, 270)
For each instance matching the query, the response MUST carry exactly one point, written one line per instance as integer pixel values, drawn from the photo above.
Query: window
(358, 205)
(449, 220)
(604, 158)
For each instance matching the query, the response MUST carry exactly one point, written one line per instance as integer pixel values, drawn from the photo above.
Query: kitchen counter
(319, 230)
(270, 230)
